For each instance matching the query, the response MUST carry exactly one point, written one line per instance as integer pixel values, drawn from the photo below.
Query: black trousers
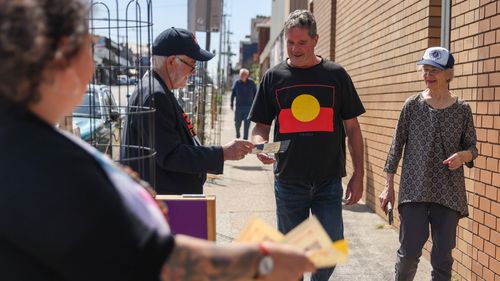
(413, 233)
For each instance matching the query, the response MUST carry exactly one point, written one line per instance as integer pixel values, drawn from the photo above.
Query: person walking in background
(243, 92)
(314, 105)
(181, 161)
(436, 132)
(66, 211)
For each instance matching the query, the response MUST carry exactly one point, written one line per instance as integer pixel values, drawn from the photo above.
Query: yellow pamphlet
(309, 236)
(256, 230)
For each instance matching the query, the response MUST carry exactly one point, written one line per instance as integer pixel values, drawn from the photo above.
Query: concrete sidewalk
(246, 190)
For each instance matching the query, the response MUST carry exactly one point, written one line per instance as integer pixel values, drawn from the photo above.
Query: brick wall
(297, 5)
(475, 40)
(324, 12)
(378, 42)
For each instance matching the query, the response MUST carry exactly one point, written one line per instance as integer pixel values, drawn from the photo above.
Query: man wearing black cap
(181, 161)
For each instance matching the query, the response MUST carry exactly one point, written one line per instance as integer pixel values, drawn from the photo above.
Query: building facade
(275, 50)
(379, 42)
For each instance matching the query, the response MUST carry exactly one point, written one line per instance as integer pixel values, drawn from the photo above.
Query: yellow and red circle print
(305, 108)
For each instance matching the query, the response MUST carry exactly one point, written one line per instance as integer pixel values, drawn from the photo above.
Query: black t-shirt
(61, 216)
(308, 106)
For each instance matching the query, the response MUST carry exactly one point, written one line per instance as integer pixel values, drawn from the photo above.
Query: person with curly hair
(66, 211)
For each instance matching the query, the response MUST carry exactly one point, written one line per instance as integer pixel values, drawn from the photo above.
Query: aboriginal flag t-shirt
(308, 106)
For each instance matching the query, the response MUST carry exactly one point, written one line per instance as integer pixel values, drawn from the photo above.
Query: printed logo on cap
(435, 54)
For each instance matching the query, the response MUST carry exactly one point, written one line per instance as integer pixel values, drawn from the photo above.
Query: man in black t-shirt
(314, 105)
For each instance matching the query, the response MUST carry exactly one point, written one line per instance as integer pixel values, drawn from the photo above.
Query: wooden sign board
(191, 214)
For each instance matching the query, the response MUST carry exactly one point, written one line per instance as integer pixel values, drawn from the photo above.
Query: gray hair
(244, 70)
(450, 74)
(158, 62)
(301, 19)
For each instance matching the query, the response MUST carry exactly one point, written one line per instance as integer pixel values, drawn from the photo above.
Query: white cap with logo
(438, 57)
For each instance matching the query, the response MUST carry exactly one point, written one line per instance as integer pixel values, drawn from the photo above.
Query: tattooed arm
(194, 259)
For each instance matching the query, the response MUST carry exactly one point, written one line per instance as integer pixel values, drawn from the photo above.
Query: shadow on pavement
(359, 208)
(249, 168)
(216, 182)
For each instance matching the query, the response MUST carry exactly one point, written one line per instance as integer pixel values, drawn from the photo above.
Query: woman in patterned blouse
(436, 132)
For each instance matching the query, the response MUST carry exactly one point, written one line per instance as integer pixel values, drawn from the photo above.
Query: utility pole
(209, 24)
(228, 53)
(203, 93)
(223, 54)
(221, 89)
(221, 40)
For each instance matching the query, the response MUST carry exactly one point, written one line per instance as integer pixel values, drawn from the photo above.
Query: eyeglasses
(192, 66)
(431, 71)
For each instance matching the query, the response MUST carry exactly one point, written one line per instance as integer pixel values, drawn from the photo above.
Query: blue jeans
(294, 200)
(241, 115)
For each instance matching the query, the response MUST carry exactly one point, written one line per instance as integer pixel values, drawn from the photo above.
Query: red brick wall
(475, 41)
(264, 33)
(378, 42)
(324, 12)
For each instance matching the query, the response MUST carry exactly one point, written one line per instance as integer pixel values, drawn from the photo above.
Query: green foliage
(255, 73)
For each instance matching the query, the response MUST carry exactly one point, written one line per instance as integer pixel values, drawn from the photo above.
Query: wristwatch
(266, 263)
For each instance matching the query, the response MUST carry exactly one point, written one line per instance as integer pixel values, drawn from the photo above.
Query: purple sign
(188, 217)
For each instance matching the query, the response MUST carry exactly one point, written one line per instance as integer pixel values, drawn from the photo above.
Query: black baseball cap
(178, 41)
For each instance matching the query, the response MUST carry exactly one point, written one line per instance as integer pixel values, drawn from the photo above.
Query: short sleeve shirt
(308, 106)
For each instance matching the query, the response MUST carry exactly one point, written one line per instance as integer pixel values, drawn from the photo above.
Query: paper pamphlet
(309, 237)
(259, 231)
(274, 147)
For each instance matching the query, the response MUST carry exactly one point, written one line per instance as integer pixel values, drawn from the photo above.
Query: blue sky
(168, 13)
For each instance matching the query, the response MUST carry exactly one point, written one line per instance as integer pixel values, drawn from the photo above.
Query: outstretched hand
(237, 149)
(289, 263)
(266, 158)
(196, 259)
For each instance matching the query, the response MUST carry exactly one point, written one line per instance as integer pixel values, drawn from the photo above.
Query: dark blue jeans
(294, 201)
(240, 115)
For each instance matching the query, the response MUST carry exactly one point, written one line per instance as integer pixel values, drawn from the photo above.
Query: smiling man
(181, 161)
(314, 105)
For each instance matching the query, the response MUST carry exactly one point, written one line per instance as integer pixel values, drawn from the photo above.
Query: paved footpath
(246, 190)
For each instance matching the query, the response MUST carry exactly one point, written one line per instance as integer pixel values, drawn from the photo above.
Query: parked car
(132, 80)
(122, 80)
(98, 120)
